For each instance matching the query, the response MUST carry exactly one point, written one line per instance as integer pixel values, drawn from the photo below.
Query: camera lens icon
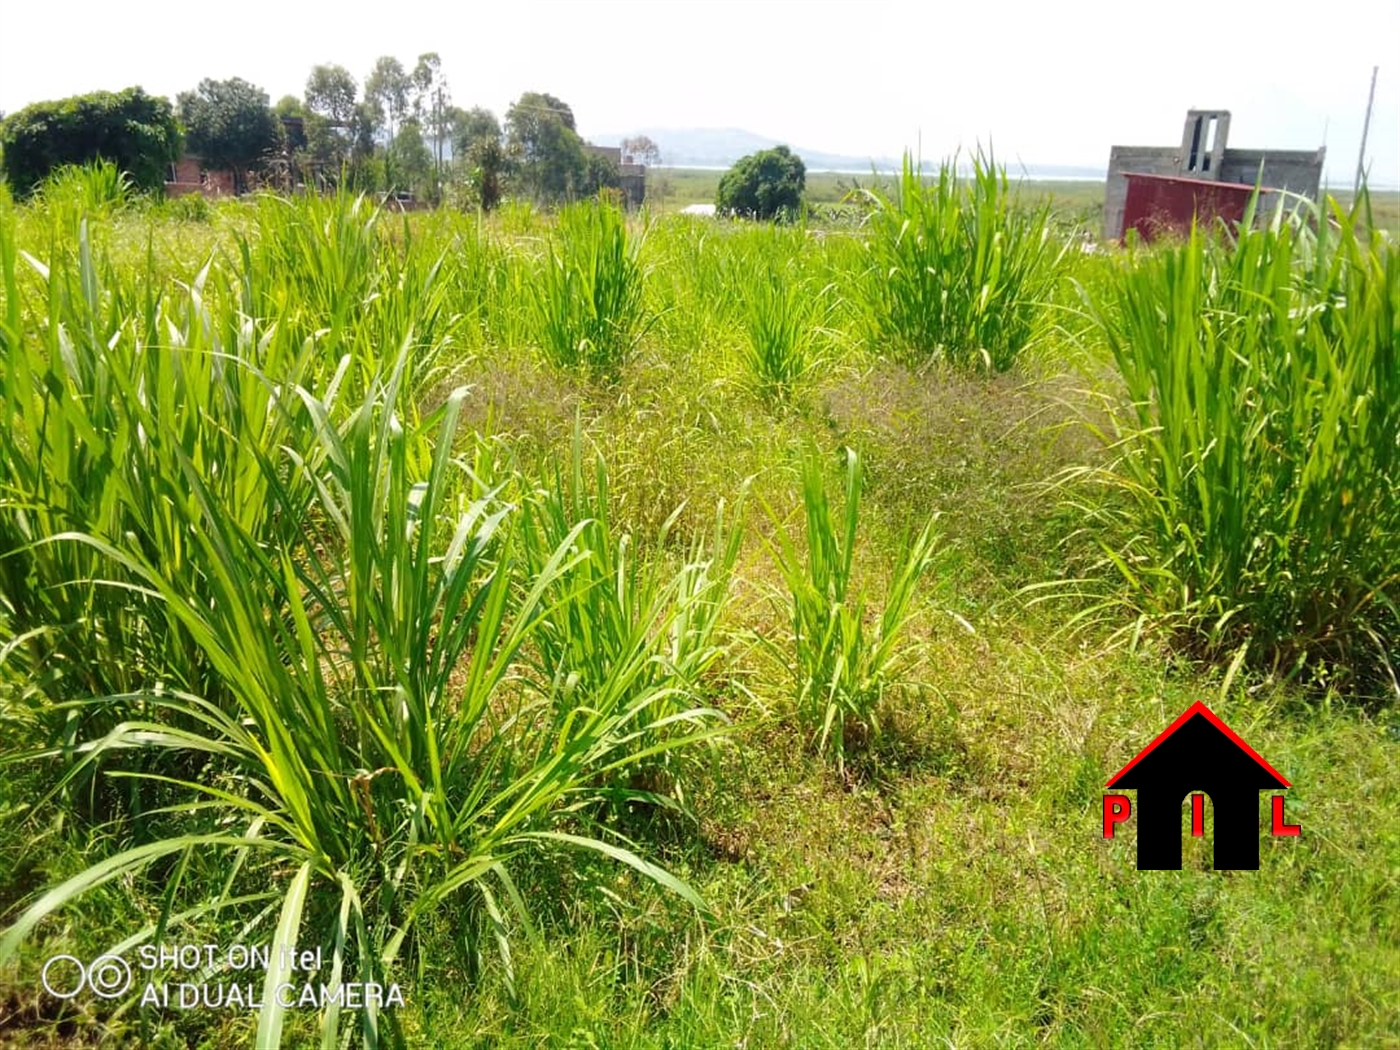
(65, 976)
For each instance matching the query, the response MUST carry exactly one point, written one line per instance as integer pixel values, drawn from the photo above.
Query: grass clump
(959, 269)
(844, 664)
(785, 326)
(97, 190)
(1258, 468)
(381, 755)
(589, 299)
(625, 623)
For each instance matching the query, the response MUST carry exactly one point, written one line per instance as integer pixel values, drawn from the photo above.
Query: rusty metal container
(1166, 204)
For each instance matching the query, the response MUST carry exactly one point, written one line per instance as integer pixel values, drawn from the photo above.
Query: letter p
(1116, 809)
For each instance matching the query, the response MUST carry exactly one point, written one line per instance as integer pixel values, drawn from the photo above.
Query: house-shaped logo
(1196, 753)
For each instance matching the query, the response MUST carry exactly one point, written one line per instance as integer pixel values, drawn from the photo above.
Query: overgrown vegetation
(960, 271)
(342, 603)
(135, 131)
(1259, 446)
(843, 665)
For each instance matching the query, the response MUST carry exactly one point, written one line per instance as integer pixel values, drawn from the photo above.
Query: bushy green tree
(230, 124)
(600, 173)
(136, 131)
(410, 162)
(331, 93)
(467, 127)
(543, 141)
(764, 185)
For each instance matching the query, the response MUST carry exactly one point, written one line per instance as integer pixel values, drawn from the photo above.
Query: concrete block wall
(1296, 171)
(1150, 160)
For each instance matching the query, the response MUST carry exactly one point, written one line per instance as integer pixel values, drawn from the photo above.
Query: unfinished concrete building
(1203, 156)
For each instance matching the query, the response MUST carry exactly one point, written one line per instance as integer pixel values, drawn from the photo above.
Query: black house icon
(1198, 752)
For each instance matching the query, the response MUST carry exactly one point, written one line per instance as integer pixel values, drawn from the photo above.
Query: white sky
(1047, 82)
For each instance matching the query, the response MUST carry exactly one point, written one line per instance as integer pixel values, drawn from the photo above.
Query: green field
(656, 633)
(670, 189)
(674, 188)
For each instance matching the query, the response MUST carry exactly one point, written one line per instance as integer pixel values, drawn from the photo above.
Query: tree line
(397, 132)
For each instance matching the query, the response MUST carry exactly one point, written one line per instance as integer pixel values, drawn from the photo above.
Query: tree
(292, 143)
(385, 107)
(386, 95)
(764, 185)
(432, 102)
(486, 161)
(289, 107)
(288, 110)
(641, 150)
(363, 147)
(331, 111)
(331, 93)
(470, 126)
(600, 173)
(542, 140)
(135, 131)
(410, 159)
(539, 106)
(230, 125)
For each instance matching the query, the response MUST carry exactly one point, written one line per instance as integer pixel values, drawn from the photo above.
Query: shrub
(135, 131)
(192, 207)
(765, 185)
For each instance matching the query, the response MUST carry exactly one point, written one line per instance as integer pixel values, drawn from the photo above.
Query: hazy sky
(1048, 82)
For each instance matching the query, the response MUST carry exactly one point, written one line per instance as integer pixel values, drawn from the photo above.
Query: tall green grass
(96, 190)
(625, 617)
(243, 564)
(115, 390)
(960, 270)
(589, 301)
(845, 655)
(381, 756)
(694, 278)
(1255, 498)
(787, 340)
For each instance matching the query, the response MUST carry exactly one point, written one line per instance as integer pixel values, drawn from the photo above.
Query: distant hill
(721, 147)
